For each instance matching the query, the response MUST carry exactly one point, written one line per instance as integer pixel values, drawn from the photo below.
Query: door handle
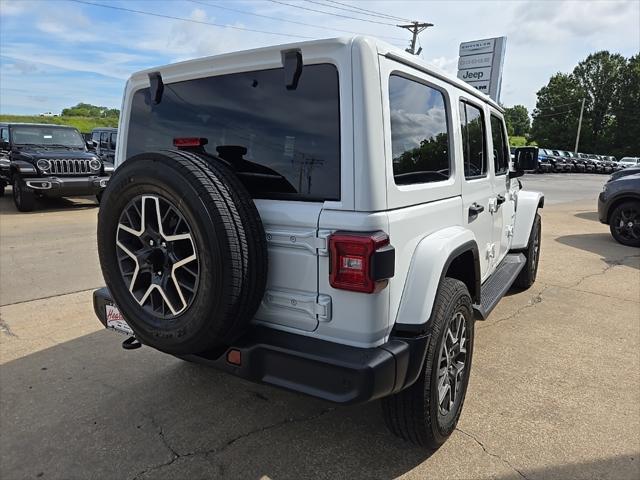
(500, 199)
(475, 209)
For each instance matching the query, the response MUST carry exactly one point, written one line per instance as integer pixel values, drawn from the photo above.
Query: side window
(419, 132)
(104, 139)
(500, 149)
(4, 134)
(95, 137)
(473, 140)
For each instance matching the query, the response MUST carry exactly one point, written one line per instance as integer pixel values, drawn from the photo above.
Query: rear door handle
(475, 209)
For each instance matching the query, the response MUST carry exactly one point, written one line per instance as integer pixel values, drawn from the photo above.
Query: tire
(624, 223)
(415, 414)
(2, 187)
(527, 275)
(207, 301)
(99, 197)
(23, 197)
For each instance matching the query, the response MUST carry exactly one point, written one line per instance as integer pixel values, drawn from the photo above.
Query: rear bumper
(331, 371)
(66, 186)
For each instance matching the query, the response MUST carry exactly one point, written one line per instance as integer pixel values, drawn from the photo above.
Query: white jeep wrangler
(328, 217)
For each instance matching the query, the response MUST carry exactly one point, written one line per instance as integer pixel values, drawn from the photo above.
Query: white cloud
(543, 37)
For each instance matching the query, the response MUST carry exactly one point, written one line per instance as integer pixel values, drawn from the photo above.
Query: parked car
(265, 172)
(619, 207)
(597, 161)
(589, 164)
(629, 161)
(562, 164)
(103, 142)
(48, 161)
(549, 156)
(544, 163)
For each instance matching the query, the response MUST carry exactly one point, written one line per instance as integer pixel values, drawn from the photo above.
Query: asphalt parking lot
(554, 392)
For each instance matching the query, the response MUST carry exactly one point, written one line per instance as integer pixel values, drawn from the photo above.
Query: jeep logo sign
(480, 65)
(475, 74)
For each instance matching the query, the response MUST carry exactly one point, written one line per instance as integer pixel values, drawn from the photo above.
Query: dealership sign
(480, 65)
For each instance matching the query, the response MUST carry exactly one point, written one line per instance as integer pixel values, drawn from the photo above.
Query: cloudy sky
(56, 53)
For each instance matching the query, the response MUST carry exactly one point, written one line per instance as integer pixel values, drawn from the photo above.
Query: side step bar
(497, 284)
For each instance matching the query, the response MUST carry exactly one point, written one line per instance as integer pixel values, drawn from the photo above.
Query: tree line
(609, 84)
(88, 110)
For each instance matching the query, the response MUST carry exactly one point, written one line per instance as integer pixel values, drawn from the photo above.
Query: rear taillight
(189, 142)
(360, 262)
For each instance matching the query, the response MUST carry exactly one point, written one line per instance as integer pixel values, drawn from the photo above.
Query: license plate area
(115, 320)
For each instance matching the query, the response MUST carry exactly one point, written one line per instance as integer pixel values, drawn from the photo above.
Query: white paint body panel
(527, 207)
(425, 222)
(424, 275)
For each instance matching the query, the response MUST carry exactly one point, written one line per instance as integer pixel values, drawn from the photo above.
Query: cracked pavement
(554, 391)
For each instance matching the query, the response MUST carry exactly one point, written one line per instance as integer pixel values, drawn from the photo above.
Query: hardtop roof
(380, 47)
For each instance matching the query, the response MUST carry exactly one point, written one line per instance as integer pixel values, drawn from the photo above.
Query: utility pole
(579, 126)
(415, 28)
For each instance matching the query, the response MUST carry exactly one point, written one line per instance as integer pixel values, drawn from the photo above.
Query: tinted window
(419, 133)
(4, 134)
(281, 143)
(473, 140)
(44, 135)
(500, 149)
(95, 136)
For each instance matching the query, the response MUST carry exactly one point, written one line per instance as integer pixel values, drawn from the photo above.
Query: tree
(610, 86)
(555, 118)
(88, 110)
(517, 118)
(599, 79)
(626, 111)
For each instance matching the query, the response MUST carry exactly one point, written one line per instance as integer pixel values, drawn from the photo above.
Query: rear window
(284, 144)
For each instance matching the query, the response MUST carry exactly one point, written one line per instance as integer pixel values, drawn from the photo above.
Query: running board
(498, 283)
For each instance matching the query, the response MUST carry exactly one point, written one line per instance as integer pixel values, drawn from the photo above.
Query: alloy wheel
(157, 256)
(451, 366)
(627, 223)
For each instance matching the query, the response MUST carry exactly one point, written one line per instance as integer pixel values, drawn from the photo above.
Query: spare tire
(182, 250)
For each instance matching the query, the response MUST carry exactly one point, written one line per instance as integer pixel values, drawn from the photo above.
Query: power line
(370, 11)
(286, 20)
(553, 114)
(331, 13)
(375, 15)
(201, 22)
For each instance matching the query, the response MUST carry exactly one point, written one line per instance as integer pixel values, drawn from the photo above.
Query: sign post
(480, 64)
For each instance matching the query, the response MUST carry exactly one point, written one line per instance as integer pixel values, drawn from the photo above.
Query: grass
(84, 124)
(515, 141)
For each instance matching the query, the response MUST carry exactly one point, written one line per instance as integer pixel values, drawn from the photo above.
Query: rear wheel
(182, 250)
(528, 274)
(427, 412)
(23, 197)
(624, 223)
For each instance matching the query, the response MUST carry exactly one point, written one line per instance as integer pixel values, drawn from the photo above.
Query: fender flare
(526, 208)
(431, 259)
(22, 167)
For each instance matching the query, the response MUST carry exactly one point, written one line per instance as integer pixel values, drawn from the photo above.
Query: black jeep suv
(48, 161)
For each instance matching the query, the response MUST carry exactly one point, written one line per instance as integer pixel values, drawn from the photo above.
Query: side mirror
(90, 145)
(526, 160)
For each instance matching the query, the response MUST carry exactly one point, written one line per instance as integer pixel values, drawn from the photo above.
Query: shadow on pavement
(602, 244)
(44, 205)
(622, 467)
(588, 216)
(88, 409)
